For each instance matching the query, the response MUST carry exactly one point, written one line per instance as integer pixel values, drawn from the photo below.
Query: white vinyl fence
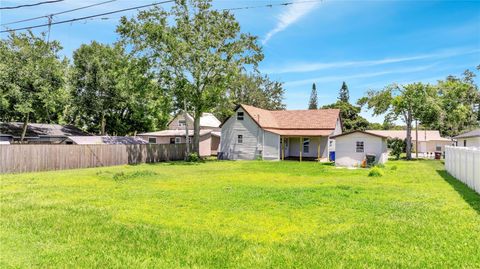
(464, 164)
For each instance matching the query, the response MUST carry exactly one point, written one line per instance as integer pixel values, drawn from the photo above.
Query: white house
(209, 133)
(428, 140)
(469, 139)
(253, 133)
(352, 148)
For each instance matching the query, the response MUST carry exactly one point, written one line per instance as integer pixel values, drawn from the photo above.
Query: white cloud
(309, 67)
(355, 76)
(292, 14)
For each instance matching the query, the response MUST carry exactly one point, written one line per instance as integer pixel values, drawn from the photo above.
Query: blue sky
(368, 44)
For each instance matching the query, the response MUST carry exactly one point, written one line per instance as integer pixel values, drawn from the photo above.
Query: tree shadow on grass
(469, 195)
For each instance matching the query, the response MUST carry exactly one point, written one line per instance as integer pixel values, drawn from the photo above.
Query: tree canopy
(32, 80)
(195, 50)
(344, 95)
(113, 93)
(313, 103)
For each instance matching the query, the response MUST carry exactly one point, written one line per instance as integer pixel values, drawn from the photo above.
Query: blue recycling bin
(332, 156)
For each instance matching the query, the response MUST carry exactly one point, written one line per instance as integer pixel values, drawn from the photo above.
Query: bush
(397, 146)
(375, 172)
(193, 157)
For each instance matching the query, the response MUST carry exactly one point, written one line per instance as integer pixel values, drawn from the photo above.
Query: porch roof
(300, 132)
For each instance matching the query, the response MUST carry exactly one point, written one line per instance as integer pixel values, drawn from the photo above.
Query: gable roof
(282, 120)
(110, 140)
(473, 133)
(206, 120)
(209, 120)
(14, 129)
(423, 135)
(358, 131)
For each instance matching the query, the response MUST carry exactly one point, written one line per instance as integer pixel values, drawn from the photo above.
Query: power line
(58, 13)
(149, 5)
(88, 17)
(31, 5)
(271, 5)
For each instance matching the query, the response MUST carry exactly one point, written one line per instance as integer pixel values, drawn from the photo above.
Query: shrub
(375, 172)
(193, 157)
(397, 146)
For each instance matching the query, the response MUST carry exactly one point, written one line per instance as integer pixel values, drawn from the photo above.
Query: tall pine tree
(344, 94)
(313, 98)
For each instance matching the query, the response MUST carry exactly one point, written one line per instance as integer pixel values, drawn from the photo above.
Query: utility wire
(149, 5)
(31, 5)
(87, 17)
(58, 13)
(271, 5)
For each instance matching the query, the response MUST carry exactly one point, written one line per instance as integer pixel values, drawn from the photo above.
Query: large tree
(458, 99)
(410, 102)
(344, 95)
(197, 52)
(32, 80)
(113, 93)
(313, 103)
(251, 89)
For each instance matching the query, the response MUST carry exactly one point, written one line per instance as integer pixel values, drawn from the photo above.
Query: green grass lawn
(239, 214)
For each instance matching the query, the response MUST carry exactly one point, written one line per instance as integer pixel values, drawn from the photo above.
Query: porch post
(301, 147)
(283, 148)
(318, 149)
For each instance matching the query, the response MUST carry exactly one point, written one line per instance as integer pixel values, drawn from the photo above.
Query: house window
(359, 146)
(152, 140)
(330, 143)
(464, 143)
(172, 140)
(178, 140)
(240, 139)
(438, 147)
(240, 115)
(181, 123)
(306, 145)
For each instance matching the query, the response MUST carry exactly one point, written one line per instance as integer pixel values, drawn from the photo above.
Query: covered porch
(304, 148)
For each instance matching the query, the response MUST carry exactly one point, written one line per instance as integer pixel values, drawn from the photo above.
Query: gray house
(253, 133)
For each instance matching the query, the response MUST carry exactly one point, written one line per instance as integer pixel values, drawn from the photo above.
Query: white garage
(352, 148)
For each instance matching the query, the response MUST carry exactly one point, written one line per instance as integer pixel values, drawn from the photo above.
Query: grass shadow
(469, 195)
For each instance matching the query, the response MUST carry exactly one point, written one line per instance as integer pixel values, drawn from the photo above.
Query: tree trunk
(409, 135)
(196, 133)
(102, 124)
(24, 129)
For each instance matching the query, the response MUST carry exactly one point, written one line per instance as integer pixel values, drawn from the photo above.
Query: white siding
(296, 145)
(471, 142)
(345, 151)
(271, 147)
(337, 131)
(252, 134)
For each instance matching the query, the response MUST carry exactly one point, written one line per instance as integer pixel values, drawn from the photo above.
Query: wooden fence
(31, 158)
(464, 164)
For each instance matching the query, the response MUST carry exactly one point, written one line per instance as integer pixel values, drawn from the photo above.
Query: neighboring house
(209, 133)
(428, 140)
(352, 148)
(106, 140)
(469, 139)
(253, 133)
(38, 133)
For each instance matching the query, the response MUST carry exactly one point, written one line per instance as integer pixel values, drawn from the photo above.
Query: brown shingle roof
(315, 119)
